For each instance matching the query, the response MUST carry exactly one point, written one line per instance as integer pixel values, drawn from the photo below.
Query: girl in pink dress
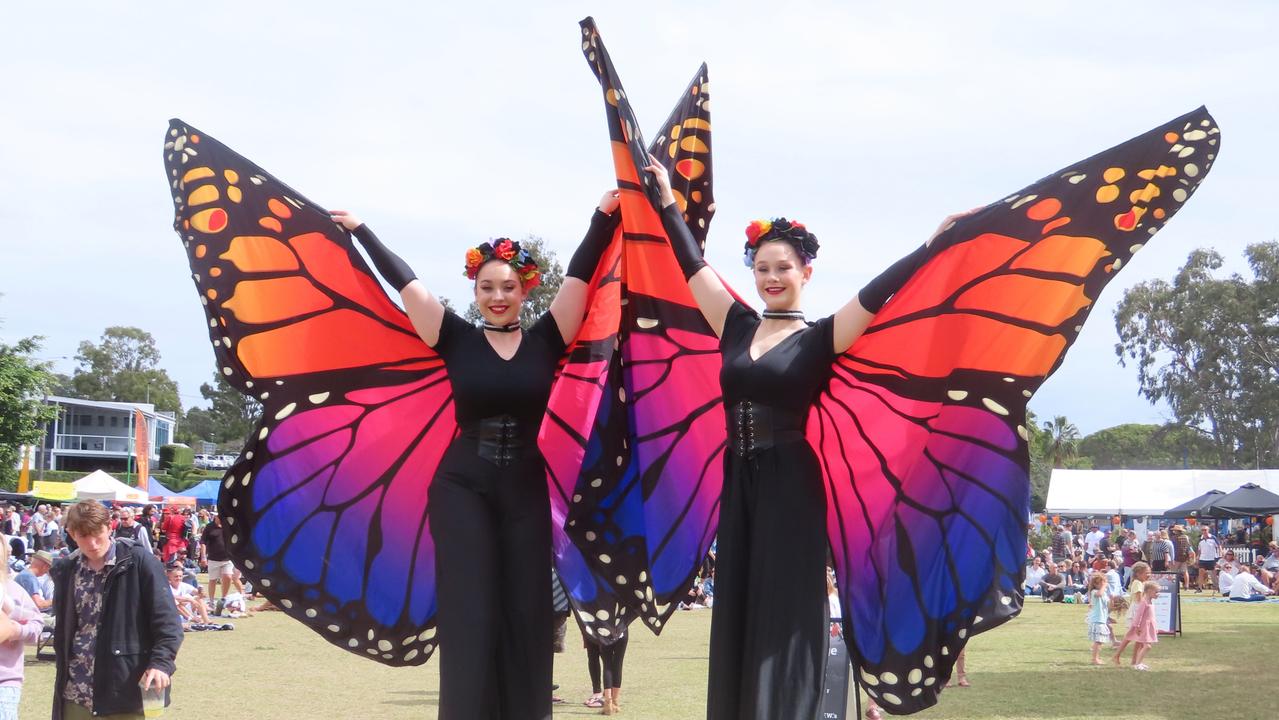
(1141, 629)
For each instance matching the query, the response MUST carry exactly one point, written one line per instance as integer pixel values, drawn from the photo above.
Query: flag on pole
(141, 446)
(24, 479)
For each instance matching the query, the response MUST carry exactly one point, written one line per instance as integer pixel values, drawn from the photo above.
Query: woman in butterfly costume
(372, 415)
(768, 639)
(915, 418)
(489, 505)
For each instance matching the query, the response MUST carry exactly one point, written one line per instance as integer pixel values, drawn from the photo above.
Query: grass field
(272, 668)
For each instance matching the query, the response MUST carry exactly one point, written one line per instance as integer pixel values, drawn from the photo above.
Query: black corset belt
(754, 427)
(501, 439)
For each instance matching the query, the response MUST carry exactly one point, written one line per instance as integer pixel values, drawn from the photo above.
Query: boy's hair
(88, 517)
(1118, 603)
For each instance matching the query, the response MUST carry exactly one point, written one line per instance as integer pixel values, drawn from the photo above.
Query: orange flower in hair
(474, 258)
(756, 230)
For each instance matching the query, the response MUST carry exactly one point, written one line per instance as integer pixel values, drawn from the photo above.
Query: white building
(92, 434)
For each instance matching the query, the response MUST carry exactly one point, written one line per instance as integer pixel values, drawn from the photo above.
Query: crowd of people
(1112, 573)
(1202, 564)
(184, 540)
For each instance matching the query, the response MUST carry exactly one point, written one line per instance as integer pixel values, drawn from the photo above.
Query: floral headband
(790, 231)
(508, 251)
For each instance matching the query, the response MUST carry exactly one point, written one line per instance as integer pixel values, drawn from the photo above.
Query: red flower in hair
(504, 249)
(756, 230)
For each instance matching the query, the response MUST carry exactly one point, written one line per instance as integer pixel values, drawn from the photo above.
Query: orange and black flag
(141, 446)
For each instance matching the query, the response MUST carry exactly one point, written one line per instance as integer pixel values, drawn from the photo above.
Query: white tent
(98, 485)
(1142, 492)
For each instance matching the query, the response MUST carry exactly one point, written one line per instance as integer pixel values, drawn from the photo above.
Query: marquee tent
(1196, 507)
(1248, 500)
(1142, 492)
(98, 485)
(203, 492)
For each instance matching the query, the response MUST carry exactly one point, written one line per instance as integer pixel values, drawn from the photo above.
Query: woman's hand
(348, 220)
(663, 181)
(610, 201)
(951, 220)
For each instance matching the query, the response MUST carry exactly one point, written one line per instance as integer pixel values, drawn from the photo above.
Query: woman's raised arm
(856, 315)
(712, 297)
(569, 305)
(424, 310)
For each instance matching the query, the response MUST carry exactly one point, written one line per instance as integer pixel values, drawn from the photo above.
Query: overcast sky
(446, 126)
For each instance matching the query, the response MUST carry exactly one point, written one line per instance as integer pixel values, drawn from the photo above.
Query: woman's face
(780, 275)
(499, 293)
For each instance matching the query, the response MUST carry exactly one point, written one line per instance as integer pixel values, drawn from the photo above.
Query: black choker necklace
(784, 315)
(502, 328)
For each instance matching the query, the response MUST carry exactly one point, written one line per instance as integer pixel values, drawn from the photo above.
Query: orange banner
(24, 478)
(141, 446)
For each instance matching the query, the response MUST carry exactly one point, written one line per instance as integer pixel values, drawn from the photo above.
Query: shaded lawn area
(271, 667)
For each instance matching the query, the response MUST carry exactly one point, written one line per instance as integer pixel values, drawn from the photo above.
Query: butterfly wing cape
(326, 512)
(326, 509)
(649, 468)
(922, 434)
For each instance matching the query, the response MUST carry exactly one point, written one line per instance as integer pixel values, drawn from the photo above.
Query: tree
(539, 298)
(23, 412)
(61, 385)
(1040, 470)
(183, 477)
(197, 426)
(1061, 441)
(232, 413)
(1048, 443)
(1209, 347)
(1138, 446)
(124, 367)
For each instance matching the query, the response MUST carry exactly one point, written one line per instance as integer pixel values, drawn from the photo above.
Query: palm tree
(1062, 440)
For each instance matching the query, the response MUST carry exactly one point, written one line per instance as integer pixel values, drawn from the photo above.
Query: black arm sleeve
(877, 291)
(682, 242)
(589, 252)
(393, 269)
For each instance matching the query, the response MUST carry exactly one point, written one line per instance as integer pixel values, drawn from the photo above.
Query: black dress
(769, 627)
(490, 519)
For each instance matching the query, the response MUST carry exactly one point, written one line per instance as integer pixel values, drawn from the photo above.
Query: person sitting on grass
(189, 568)
(1052, 587)
(1245, 587)
(190, 606)
(1227, 569)
(37, 581)
(1076, 579)
(1034, 576)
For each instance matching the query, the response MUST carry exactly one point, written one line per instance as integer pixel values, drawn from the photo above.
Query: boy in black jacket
(117, 627)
